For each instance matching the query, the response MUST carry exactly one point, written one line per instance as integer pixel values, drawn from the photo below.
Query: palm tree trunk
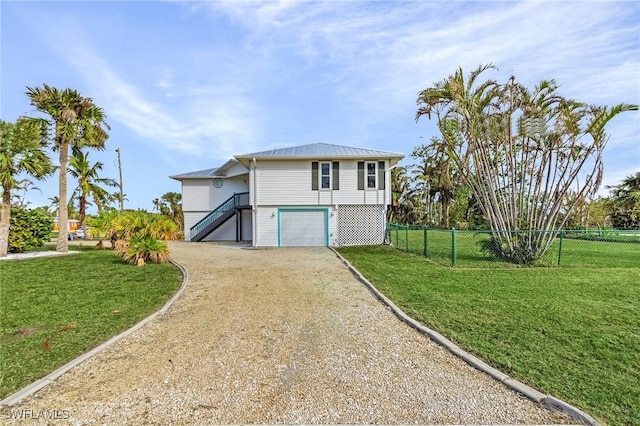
(63, 216)
(82, 213)
(4, 222)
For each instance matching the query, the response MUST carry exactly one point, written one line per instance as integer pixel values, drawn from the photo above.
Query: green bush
(142, 249)
(28, 229)
(521, 252)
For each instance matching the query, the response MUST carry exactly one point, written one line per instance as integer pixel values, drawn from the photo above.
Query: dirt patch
(27, 331)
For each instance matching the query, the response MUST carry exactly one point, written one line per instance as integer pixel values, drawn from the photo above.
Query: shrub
(142, 249)
(522, 251)
(28, 229)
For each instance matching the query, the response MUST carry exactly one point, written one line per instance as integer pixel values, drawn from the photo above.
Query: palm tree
(21, 151)
(174, 200)
(625, 200)
(520, 152)
(438, 173)
(170, 204)
(88, 183)
(74, 121)
(19, 195)
(398, 210)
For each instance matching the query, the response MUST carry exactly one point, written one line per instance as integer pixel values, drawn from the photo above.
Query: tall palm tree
(89, 183)
(520, 152)
(22, 150)
(74, 121)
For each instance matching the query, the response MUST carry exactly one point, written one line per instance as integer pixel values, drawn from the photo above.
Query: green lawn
(572, 332)
(55, 309)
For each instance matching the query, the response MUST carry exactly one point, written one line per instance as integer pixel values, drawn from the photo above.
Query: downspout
(254, 207)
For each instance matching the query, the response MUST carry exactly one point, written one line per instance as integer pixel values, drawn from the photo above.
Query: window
(371, 175)
(325, 175)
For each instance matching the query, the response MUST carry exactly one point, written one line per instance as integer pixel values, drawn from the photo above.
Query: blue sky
(185, 85)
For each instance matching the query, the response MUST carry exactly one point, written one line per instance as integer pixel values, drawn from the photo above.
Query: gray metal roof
(319, 151)
(199, 174)
(316, 151)
(220, 172)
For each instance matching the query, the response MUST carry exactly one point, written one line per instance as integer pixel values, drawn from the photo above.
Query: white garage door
(303, 228)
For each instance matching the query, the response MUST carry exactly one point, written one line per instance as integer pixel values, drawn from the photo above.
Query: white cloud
(200, 117)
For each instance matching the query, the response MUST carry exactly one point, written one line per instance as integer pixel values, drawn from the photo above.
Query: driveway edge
(549, 401)
(41, 383)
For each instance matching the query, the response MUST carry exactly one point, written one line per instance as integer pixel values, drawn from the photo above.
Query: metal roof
(319, 151)
(316, 151)
(199, 174)
(220, 172)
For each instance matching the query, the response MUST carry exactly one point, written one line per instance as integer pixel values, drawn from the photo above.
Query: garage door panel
(303, 228)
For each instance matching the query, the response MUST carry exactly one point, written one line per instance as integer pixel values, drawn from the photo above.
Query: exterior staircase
(220, 215)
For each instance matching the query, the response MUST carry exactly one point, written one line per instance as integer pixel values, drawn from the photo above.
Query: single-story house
(309, 195)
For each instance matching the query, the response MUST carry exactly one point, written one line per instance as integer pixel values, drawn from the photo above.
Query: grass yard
(575, 252)
(55, 309)
(570, 332)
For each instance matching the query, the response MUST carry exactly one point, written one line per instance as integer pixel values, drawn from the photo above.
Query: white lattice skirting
(360, 224)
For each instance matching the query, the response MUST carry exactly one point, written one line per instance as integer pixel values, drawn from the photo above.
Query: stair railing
(232, 202)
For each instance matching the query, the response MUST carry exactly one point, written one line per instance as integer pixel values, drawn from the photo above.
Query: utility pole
(120, 173)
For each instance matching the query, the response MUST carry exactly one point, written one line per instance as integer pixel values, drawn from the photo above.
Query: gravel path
(278, 336)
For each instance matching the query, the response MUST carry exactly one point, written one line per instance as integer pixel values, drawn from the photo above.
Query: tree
(21, 151)
(625, 202)
(170, 204)
(402, 208)
(520, 152)
(101, 224)
(73, 121)
(439, 175)
(89, 183)
(20, 190)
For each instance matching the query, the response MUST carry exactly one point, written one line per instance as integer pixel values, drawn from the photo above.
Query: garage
(303, 227)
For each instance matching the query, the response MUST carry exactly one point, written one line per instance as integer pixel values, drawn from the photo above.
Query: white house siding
(227, 231)
(196, 195)
(288, 183)
(281, 184)
(266, 227)
(200, 197)
(360, 224)
(190, 219)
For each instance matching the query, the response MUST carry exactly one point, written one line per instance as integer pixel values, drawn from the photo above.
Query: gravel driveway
(278, 336)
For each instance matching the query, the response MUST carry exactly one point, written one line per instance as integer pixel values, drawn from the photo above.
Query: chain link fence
(477, 249)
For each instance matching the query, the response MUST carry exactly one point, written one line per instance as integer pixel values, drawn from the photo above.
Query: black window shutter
(381, 175)
(314, 175)
(336, 175)
(361, 175)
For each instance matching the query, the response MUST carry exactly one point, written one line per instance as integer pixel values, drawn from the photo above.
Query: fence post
(425, 241)
(397, 237)
(406, 238)
(453, 247)
(560, 247)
